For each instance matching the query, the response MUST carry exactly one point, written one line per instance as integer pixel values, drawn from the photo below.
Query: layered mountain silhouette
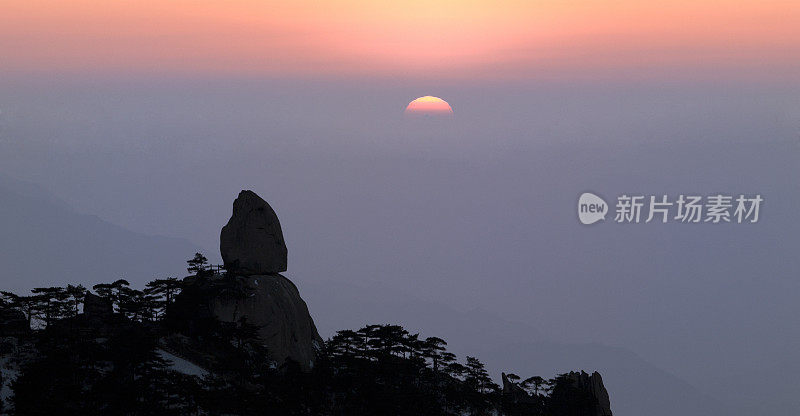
(48, 243)
(240, 340)
(45, 242)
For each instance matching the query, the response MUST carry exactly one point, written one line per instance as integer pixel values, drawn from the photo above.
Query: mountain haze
(45, 242)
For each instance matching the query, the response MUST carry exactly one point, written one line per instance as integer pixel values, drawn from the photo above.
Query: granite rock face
(593, 385)
(574, 394)
(254, 252)
(514, 392)
(272, 303)
(251, 243)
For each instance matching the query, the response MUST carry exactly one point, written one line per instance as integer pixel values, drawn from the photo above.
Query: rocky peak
(253, 249)
(593, 385)
(251, 243)
(514, 392)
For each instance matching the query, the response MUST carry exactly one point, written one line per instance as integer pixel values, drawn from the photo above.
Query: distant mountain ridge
(638, 387)
(40, 230)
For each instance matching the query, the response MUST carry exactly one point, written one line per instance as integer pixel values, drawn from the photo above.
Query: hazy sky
(477, 211)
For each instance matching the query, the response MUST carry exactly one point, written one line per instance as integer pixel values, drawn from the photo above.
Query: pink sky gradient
(450, 39)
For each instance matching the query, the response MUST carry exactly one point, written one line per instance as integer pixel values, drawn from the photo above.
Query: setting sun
(429, 105)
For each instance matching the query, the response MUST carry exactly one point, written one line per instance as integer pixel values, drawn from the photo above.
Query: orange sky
(493, 38)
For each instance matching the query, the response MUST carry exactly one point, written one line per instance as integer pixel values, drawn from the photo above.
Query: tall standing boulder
(251, 243)
(254, 253)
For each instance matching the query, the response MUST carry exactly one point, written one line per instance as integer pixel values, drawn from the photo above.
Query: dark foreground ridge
(239, 340)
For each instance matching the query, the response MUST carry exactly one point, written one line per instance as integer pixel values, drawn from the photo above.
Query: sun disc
(428, 105)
